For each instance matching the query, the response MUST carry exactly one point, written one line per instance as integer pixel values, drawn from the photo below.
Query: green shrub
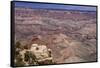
(18, 44)
(19, 61)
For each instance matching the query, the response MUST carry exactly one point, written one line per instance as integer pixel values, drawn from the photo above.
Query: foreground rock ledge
(36, 55)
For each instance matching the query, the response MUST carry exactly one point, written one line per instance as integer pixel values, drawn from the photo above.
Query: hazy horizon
(35, 5)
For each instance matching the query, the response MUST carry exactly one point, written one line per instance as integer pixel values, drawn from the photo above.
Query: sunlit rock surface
(37, 54)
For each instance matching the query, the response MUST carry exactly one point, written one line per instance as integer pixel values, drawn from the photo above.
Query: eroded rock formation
(37, 54)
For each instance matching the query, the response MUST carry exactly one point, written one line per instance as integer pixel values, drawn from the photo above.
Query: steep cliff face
(71, 35)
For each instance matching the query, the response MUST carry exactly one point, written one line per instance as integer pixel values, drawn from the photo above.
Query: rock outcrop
(37, 54)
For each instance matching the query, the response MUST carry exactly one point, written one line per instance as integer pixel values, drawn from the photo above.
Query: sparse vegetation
(24, 57)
